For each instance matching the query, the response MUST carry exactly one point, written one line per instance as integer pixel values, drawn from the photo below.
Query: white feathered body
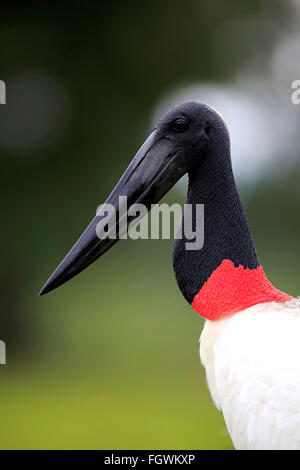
(252, 362)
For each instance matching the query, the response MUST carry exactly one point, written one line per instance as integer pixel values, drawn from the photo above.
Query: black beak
(150, 175)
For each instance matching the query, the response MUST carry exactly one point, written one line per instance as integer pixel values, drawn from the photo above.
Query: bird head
(177, 143)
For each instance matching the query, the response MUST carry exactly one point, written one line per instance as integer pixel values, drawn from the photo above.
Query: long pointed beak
(150, 175)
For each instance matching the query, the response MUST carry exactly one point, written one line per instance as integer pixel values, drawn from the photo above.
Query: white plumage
(252, 362)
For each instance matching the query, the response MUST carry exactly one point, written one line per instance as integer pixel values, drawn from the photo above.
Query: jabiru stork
(250, 344)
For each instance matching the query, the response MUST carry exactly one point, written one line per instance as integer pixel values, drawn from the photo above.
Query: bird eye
(207, 130)
(180, 125)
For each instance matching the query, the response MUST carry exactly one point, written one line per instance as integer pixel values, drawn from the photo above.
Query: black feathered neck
(226, 230)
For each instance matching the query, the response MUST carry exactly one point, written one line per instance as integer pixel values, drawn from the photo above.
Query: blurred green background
(110, 360)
